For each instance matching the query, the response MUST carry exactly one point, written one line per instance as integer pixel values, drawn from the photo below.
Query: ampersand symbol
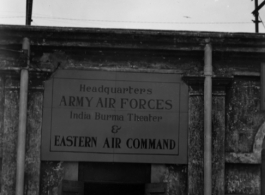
(115, 129)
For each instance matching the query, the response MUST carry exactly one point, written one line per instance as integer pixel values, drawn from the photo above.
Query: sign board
(115, 117)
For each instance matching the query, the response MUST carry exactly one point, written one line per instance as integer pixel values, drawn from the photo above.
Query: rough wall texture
(195, 145)
(174, 175)
(243, 121)
(52, 174)
(9, 141)
(243, 114)
(218, 147)
(122, 60)
(242, 179)
(196, 141)
(33, 142)
(2, 101)
(233, 131)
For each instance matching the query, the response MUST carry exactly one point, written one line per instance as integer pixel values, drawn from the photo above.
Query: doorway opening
(113, 189)
(114, 178)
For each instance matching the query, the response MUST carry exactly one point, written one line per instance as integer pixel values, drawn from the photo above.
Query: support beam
(256, 14)
(29, 12)
(208, 119)
(256, 17)
(23, 101)
(258, 7)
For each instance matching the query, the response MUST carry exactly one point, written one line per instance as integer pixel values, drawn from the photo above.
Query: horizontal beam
(131, 39)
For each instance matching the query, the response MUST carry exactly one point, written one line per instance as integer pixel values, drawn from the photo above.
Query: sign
(115, 117)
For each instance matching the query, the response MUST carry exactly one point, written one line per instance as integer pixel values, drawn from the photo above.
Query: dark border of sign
(180, 158)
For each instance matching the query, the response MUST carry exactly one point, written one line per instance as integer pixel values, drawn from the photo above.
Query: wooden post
(29, 12)
(256, 17)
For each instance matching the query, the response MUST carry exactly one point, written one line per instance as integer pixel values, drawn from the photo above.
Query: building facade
(237, 118)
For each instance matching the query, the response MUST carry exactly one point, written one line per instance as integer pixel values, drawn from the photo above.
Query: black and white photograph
(132, 97)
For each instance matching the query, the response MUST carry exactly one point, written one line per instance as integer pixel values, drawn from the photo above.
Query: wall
(244, 118)
(236, 116)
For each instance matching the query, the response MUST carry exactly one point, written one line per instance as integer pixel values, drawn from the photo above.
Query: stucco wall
(244, 118)
(236, 118)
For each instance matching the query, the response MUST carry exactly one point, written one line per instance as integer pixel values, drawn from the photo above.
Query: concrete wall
(236, 118)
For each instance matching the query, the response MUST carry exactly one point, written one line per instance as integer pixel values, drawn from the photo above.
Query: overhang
(131, 39)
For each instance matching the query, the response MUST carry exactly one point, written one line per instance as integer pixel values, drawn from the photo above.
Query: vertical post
(256, 17)
(263, 171)
(29, 12)
(21, 143)
(208, 119)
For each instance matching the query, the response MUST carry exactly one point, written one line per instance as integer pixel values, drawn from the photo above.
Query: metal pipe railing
(208, 119)
(23, 101)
